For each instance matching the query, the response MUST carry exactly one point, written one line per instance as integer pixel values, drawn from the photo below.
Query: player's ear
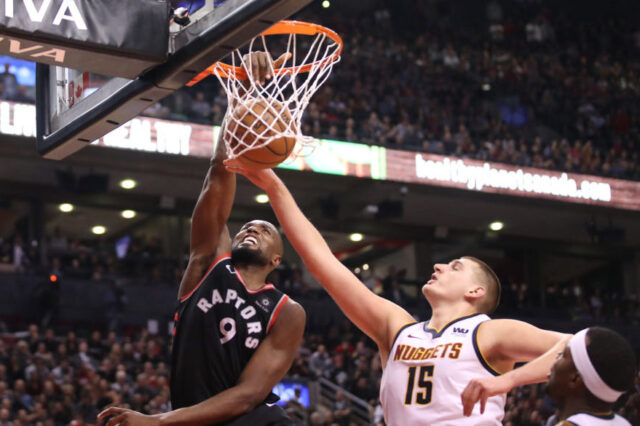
(476, 292)
(575, 382)
(275, 260)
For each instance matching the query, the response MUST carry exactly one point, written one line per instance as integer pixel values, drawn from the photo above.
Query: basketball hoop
(313, 51)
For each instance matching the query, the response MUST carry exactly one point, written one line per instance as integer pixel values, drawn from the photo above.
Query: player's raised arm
(377, 317)
(539, 348)
(209, 234)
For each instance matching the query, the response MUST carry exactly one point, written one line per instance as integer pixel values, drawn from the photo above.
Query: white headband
(590, 377)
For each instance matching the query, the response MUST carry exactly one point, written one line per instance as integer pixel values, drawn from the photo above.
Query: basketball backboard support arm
(193, 49)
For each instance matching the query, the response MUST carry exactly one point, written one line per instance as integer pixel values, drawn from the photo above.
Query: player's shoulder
(406, 328)
(293, 309)
(504, 325)
(621, 421)
(218, 261)
(288, 317)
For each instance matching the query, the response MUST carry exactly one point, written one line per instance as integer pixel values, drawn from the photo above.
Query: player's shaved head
(489, 280)
(258, 242)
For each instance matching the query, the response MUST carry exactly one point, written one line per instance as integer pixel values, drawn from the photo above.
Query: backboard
(75, 107)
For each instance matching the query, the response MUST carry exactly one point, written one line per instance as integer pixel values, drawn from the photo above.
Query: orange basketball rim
(281, 28)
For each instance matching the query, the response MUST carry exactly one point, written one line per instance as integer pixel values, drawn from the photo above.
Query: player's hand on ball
(260, 65)
(262, 178)
(126, 417)
(481, 390)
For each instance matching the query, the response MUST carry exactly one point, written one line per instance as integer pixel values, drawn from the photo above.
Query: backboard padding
(202, 43)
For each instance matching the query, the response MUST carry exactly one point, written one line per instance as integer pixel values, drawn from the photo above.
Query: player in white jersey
(596, 367)
(426, 388)
(424, 363)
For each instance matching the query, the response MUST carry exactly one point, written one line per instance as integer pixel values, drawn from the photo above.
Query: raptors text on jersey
(219, 325)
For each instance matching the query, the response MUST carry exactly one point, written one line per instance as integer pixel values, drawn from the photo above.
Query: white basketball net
(288, 90)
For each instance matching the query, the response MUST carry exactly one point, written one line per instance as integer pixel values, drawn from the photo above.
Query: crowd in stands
(525, 85)
(50, 379)
(54, 379)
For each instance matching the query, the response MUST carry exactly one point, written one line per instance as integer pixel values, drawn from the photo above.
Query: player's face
(450, 280)
(256, 243)
(563, 371)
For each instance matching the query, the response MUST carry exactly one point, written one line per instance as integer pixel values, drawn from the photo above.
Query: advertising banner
(498, 178)
(363, 161)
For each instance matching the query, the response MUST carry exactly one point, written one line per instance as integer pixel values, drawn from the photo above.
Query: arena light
(99, 230)
(262, 198)
(326, 4)
(355, 237)
(365, 267)
(128, 214)
(66, 207)
(496, 226)
(357, 270)
(128, 184)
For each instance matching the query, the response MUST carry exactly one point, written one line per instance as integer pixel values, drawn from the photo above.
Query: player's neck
(580, 405)
(254, 276)
(443, 315)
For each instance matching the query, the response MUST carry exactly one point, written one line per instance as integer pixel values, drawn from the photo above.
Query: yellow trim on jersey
(601, 414)
(450, 322)
(400, 330)
(481, 354)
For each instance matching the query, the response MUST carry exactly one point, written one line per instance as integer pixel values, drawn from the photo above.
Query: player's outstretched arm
(209, 234)
(267, 366)
(496, 341)
(378, 318)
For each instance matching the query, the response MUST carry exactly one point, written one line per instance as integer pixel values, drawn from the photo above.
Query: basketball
(254, 123)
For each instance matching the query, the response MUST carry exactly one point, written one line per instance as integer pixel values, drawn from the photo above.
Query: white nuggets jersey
(427, 371)
(594, 419)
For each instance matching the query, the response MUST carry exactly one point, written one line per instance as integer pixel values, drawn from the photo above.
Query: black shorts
(263, 415)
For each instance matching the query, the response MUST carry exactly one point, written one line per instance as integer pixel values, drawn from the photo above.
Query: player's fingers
(254, 64)
(110, 412)
(483, 400)
(262, 66)
(233, 163)
(278, 62)
(117, 420)
(465, 398)
(472, 398)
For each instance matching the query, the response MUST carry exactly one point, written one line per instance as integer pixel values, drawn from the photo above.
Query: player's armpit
(505, 342)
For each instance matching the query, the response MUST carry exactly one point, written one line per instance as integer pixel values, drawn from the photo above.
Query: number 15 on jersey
(424, 385)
